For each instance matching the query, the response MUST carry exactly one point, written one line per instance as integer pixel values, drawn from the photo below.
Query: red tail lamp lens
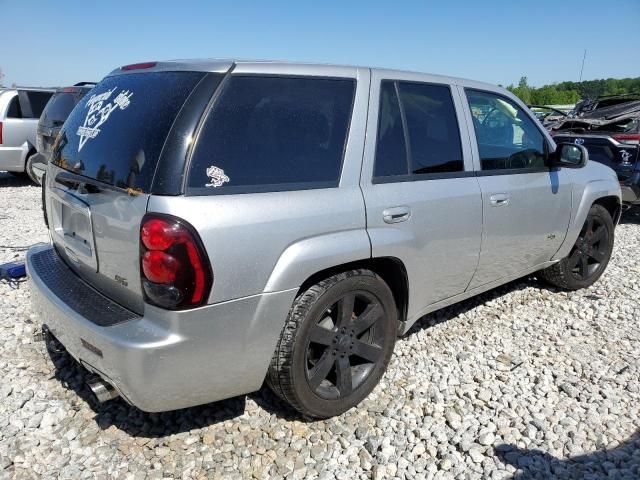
(159, 267)
(175, 269)
(157, 234)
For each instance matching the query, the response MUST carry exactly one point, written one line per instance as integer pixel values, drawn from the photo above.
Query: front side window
(507, 138)
(424, 117)
(268, 133)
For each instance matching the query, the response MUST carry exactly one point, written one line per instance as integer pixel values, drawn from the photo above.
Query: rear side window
(391, 150)
(38, 101)
(417, 122)
(59, 107)
(115, 133)
(269, 133)
(434, 135)
(14, 110)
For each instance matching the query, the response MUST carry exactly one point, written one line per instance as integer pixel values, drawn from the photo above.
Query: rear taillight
(629, 139)
(0, 133)
(173, 264)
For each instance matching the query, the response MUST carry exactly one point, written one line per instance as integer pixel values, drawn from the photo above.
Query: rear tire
(335, 345)
(590, 255)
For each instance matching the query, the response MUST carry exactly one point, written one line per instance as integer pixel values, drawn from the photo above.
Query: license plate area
(73, 228)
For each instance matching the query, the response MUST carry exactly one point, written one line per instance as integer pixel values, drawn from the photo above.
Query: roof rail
(82, 84)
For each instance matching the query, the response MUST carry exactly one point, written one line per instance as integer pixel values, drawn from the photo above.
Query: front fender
(308, 256)
(583, 199)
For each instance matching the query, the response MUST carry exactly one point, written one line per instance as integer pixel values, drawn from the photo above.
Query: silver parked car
(215, 224)
(20, 110)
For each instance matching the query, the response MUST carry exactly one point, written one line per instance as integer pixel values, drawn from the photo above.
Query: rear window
(115, 133)
(60, 106)
(32, 103)
(430, 129)
(270, 133)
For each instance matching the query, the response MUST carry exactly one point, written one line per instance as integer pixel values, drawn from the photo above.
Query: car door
(422, 198)
(526, 205)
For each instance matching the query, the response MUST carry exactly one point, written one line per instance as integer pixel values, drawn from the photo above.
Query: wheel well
(613, 206)
(390, 269)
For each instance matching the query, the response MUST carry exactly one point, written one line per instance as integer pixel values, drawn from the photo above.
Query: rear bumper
(12, 159)
(168, 360)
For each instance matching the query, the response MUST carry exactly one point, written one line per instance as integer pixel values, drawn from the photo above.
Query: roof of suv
(223, 65)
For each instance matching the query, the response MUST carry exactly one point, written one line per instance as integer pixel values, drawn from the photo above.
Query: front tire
(335, 345)
(590, 255)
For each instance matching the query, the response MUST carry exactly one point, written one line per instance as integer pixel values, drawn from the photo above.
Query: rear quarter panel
(272, 241)
(269, 242)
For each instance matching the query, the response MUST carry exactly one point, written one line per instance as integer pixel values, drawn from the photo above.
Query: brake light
(629, 139)
(174, 267)
(0, 133)
(159, 267)
(139, 66)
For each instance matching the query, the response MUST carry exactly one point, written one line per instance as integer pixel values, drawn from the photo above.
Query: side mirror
(569, 155)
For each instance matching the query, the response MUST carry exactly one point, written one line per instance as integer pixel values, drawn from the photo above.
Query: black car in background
(55, 113)
(609, 128)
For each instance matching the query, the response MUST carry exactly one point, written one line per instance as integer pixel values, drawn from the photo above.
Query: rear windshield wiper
(91, 185)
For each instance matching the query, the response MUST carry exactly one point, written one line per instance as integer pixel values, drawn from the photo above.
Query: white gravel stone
(523, 377)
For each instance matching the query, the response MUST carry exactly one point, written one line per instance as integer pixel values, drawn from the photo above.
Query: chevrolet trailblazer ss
(216, 224)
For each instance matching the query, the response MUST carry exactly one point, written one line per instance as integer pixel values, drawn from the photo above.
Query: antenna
(582, 67)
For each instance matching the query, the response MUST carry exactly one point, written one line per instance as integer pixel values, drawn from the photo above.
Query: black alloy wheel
(345, 345)
(336, 344)
(589, 256)
(591, 249)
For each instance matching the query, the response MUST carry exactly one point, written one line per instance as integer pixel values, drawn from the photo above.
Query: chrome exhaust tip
(103, 391)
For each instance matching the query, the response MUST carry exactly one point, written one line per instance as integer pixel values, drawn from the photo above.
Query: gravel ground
(523, 382)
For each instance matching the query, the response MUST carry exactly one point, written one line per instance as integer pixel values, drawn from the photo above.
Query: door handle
(499, 199)
(396, 214)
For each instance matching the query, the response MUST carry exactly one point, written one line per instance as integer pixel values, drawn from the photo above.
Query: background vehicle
(547, 114)
(609, 127)
(55, 113)
(287, 221)
(20, 109)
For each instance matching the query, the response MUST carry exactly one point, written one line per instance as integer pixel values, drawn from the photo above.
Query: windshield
(116, 132)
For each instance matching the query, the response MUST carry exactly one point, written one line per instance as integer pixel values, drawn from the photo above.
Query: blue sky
(490, 40)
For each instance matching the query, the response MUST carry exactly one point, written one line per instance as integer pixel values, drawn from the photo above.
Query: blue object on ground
(13, 270)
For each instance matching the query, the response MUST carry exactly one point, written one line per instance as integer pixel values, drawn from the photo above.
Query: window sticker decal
(217, 177)
(100, 109)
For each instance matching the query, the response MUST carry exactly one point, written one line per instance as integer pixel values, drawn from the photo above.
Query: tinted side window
(507, 137)
(14, 110)
(434, 135)
(269, 133)
(391, 150)
(38, 100)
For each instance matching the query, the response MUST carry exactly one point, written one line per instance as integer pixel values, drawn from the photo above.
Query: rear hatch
(617, 151)
(101, 173)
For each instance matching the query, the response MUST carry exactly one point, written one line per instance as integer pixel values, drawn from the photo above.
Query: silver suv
(20, 109)
(215, 224)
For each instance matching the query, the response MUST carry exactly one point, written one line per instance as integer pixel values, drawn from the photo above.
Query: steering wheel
(520, 159)
(497, 128)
